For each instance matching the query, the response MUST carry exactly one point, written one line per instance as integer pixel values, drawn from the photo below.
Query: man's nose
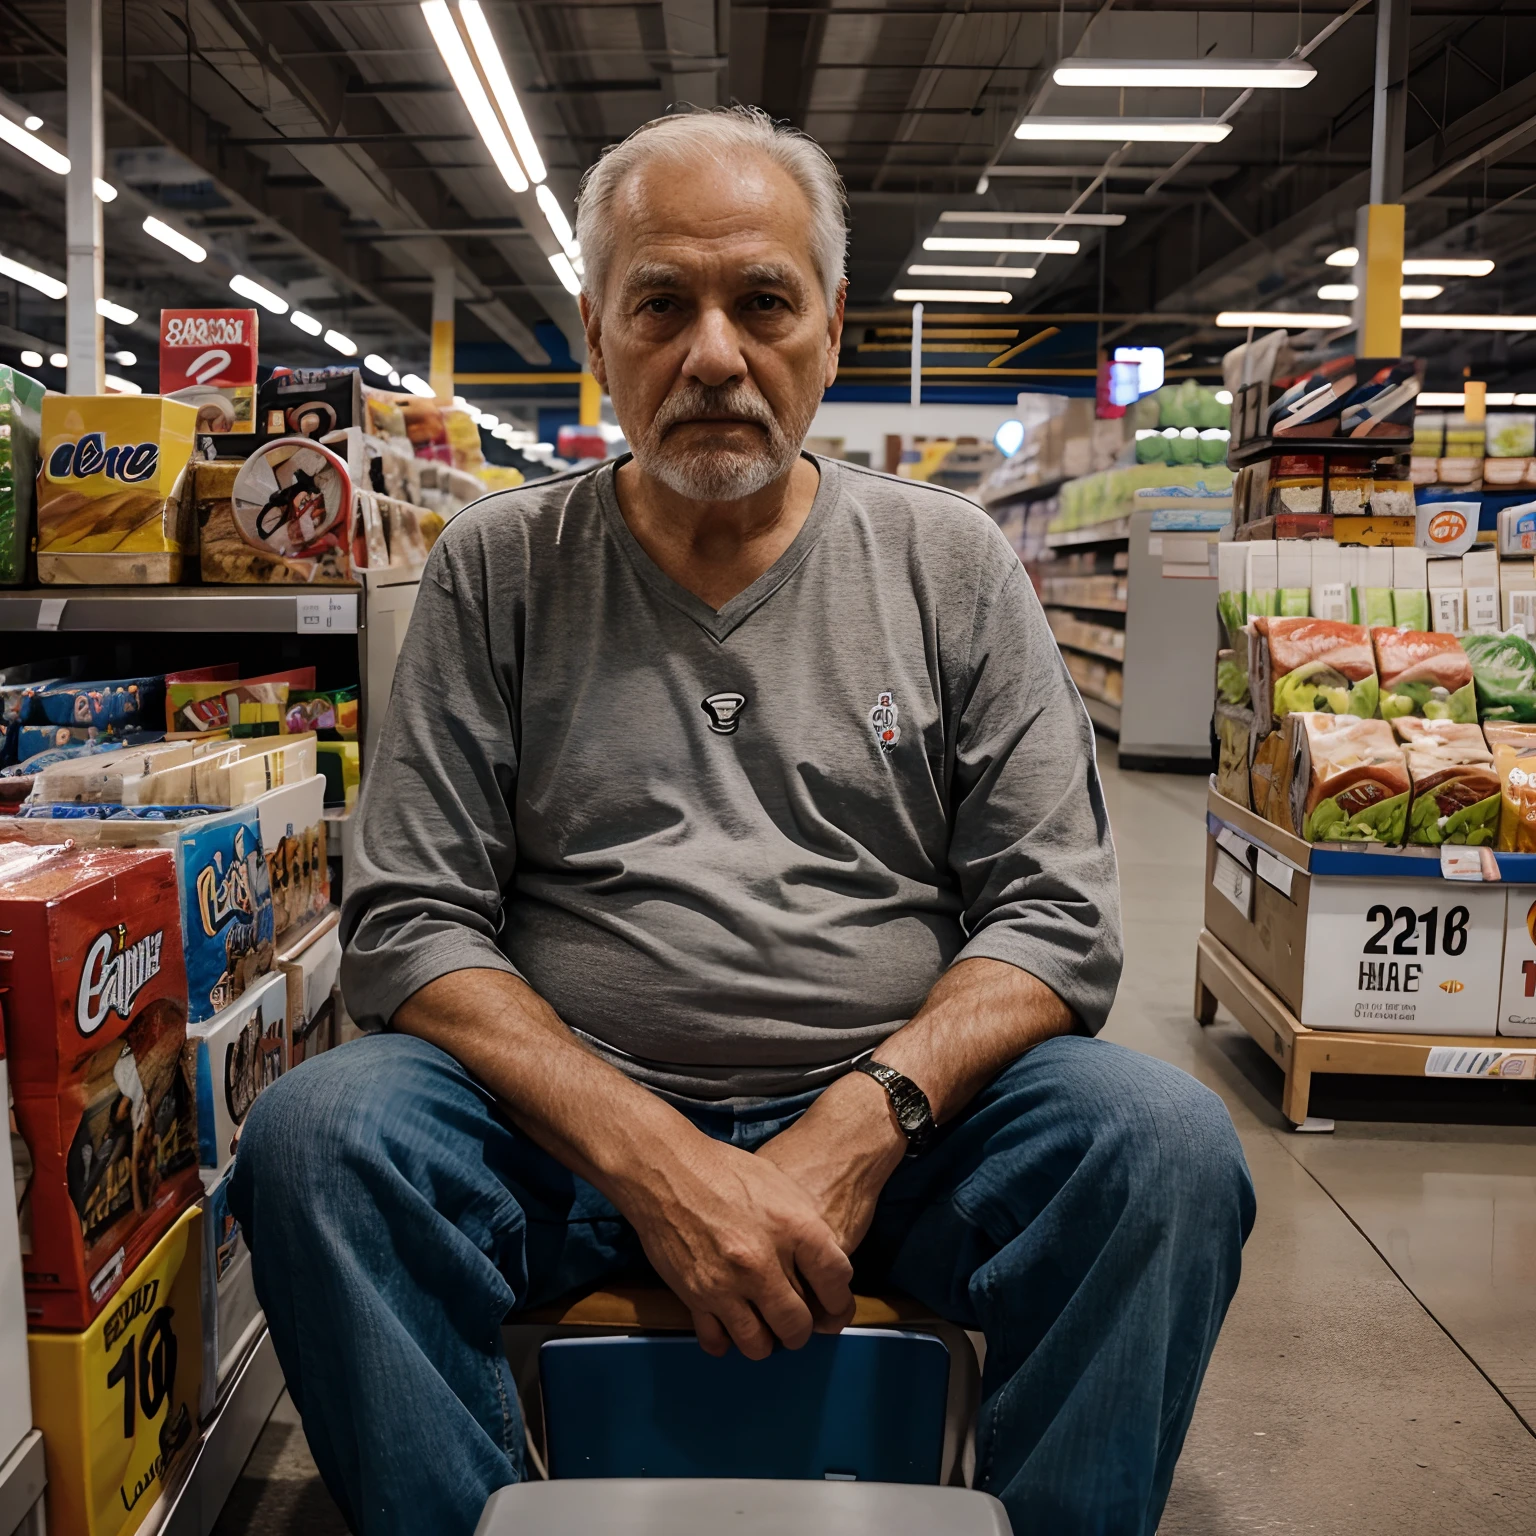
(714, 351)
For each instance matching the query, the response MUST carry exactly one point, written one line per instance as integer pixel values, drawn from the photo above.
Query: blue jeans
(1087, 1214)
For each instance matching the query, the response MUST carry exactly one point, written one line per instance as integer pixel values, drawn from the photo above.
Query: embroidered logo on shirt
(724, 711)
(882, 721)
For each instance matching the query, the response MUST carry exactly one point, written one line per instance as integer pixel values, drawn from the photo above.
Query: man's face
(713, 337)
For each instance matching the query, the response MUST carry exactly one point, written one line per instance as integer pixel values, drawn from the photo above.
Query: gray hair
(718, 133)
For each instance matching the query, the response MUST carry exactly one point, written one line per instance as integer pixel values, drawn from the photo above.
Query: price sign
(117, 1403)
(1410, 956)
(326, 613)
(1517, 994)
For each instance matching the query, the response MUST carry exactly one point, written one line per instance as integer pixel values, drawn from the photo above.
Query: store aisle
(1382, 1348)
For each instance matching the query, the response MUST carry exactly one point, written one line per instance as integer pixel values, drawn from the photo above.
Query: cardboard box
(312, 967)
(232, 1317)
(1517, 989)
(1407, 953)
(208, 359)
(232, 1057)
(117, 1402)
(113, 490)
(293, 838)
(15, 1399)
(95, 1030)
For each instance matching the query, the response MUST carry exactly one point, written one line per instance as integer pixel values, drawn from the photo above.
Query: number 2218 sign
(1410, 956)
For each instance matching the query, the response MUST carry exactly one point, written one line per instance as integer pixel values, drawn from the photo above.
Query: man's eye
(763, 303)
(657, 306)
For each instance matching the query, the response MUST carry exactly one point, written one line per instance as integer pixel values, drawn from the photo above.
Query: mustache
(700, 402)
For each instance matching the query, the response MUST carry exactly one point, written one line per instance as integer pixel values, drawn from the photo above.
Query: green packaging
(21, 423)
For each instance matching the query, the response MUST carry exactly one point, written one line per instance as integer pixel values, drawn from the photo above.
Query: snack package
(95, 1024)
(293, 839)
(232, 1057)
(1303, 664)
(113, 501)
(1455, 790)
(341, 764)
(1270, 780)
(287, 515)
(331, 713)
(1234, 733)
(232, 1317)
(312, 966)
(208, 360)
(1504, 674)
(206, 705)
(310, 402)
(21, 425)
(1514, 761)
(1348, 779)
(1423, 674)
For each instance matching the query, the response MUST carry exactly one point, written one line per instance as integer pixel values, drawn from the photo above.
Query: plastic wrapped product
(21, 423)
(1311, 664)
(1455, 790)
(309, 402)
(1423, 674)
(1234, 733)
(1348, 779)
(1515, 763)
(1504, 673)
(1509, 436)
(1270, 779)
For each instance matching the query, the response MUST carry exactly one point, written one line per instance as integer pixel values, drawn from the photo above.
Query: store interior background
(1377, 1373)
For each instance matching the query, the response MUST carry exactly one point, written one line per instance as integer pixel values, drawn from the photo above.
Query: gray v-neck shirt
(733, 850)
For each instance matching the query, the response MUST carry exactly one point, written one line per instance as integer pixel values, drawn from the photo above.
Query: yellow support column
(591, 401)
(1379, 281)
(440, 373)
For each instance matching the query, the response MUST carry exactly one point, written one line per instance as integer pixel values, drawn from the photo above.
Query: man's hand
(741, 1244)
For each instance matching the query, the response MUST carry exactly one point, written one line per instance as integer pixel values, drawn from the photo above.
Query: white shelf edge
(23, 1477)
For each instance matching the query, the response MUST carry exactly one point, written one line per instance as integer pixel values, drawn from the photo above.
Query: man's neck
(716, 549)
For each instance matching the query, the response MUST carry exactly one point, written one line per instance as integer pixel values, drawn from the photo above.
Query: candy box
(208, 359)
(232, 1057)
(232, 1319)
(95, 1026)
(312, 965)
(293, 839)
(21, 408)
(113, 503)
(117, 1402)
(15, 1402)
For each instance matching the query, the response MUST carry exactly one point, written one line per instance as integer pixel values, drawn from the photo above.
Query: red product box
(96, 1026)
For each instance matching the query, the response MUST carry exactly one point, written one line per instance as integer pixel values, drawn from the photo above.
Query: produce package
(232, 1057)
(1423, 674)
(310, 402)
(113, 489)
(95, 1025)
(1303, 664)
(1455, 790)
(21, 424)
(1504, 674)
(1514, 760)
(1348, 779)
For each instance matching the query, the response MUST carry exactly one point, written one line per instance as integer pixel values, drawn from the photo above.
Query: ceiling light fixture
(33, 147)
(378, 365)
(951, 296)
(1107, 220)
(565, 272)
(32, 123)
(1430, 397)
(1201, 74)
(456, 56)
(182, 244)
(58, 359)
(125, 359)
(1469, 322)
(31, 359)
(105, 190)
(119, 313)
(49, 287)
(1000, 244)
(249, 288)
(1241, 319)
(1347, 293)
(558, 223)
(306, 323)
(923, 269)
(1124, 130)
(496, 75)
(418, 386)
(1446, 266)
(1345, 257)
(343, 344)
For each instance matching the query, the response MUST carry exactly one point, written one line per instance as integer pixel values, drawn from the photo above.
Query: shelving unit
(1115, 532)
(23, 1478)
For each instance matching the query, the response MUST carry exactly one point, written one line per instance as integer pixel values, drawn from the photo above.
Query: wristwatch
(914, 1114)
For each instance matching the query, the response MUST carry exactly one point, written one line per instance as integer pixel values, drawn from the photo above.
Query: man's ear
(835, 331)
(592, 325)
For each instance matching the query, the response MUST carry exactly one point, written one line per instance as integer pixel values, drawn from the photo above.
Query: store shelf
(192, 1504)
(1114, 606)
(1100, 533)
(22, 1479)
(1040, 491)
(1116, 658)
(1257, 449)
(1102, 712)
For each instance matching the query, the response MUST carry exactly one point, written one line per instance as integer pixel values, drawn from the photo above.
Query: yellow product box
(117, 1404)
(1375, 531)
(113, 489)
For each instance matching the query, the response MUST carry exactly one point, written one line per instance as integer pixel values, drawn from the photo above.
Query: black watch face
(910, 1113)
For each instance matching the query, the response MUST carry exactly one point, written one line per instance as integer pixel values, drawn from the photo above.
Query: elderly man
(735, 895)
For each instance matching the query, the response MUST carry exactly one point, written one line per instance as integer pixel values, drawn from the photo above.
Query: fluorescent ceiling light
(1124, 130)
(1469, 322)
(489, 54)
(343, 344)
(1346, 293)
(482, 114)
(31, 359)
(1446, 266)
(1000, 243)
(1242, 74)
(418, 386)
(1240, 319)
(558, 223)
(105, 190)
(249, 288)
(1108, 220)
(125, 359)
(59, 359)
(1347, 257)
(951, 296)
(119, 386)
(306, 323)
(32, 123)
(565, 271)
(30, 145)
(49, 287)
(1420, 291)
(1435, 397)
(182, 244)
(377, 365)
(923, 269)
(118, 312)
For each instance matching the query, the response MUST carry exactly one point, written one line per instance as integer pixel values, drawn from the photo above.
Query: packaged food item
(15, 1175)
(1514, 760)
(310, 402)
(206, 705)
(341, 764)
(405, 531)
(228, 920)
(1349, 782)
(1270, 779)
(1231, 608)
(1504, 674)
(113, 496)
(293, 839)
(208, 360)
(1455, 791)
(1380, 403)
(21, 424)
(232, 1317)
(1297, 664)
(1423, 674)
(95, 1024)
(312, 965)
(1310, 407)
(331, 713)
(1517, 529)
(1508, 436)
(234, 1056)
(1448, 527)
(1234, 733)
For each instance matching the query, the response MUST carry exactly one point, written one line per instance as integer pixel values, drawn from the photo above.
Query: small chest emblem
(724, 711)
(882, 721)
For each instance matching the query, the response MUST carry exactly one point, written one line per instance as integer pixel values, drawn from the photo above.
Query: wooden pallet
(1220, 977)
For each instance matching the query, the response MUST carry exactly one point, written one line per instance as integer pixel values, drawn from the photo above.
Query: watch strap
(914, 1114)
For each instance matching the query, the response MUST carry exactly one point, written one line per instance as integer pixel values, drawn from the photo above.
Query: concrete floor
(1377, 1371)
